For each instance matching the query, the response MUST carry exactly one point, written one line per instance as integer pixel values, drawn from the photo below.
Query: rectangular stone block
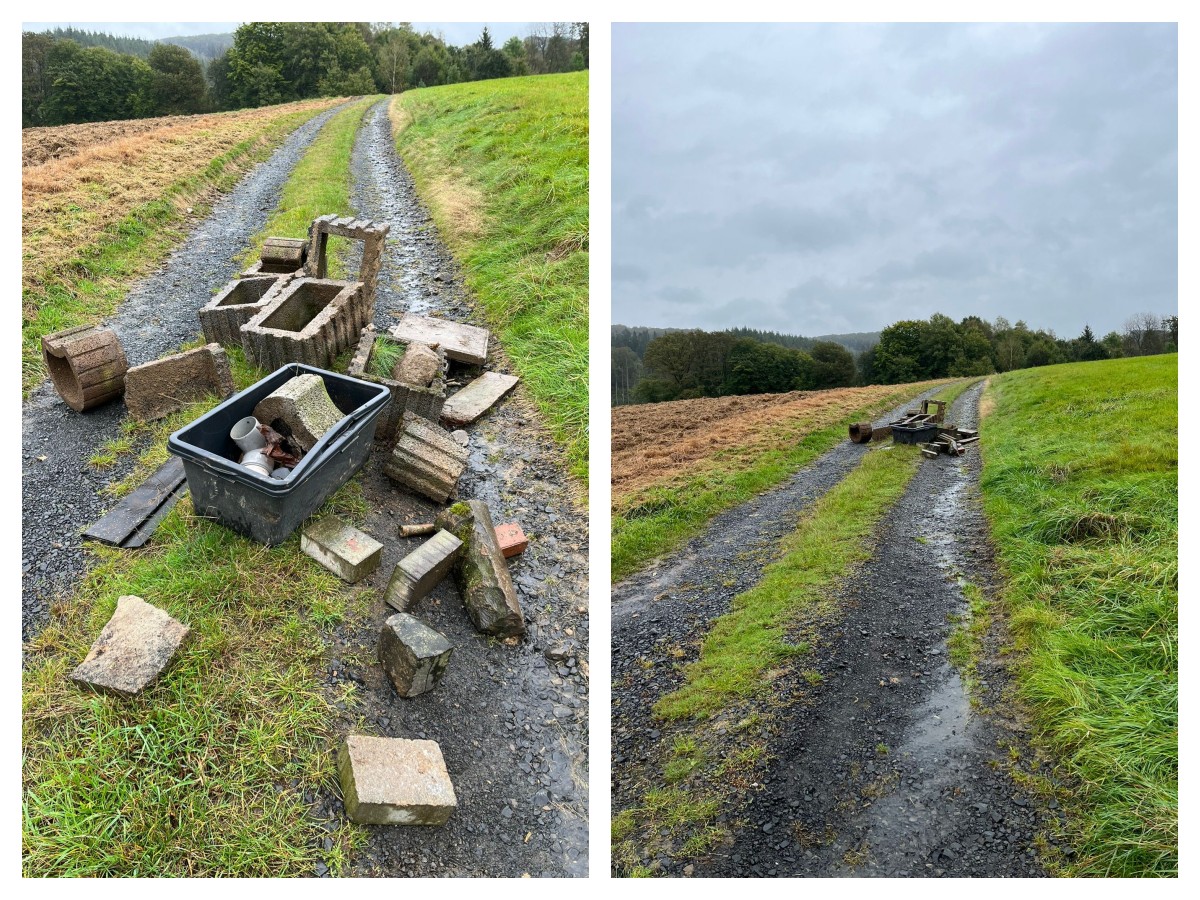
(394, 781)
(413, 655)
(342, 549)
(421, 571)
(481, 573)
(404, 398)
(238, 302)
(426, 459)
(476, 398)
(157, 389)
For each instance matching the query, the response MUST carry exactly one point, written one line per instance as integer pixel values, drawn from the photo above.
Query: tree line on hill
(654, 365)
(64, 82)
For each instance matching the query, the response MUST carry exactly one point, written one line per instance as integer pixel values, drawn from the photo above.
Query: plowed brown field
(39, 145)
(656, 442)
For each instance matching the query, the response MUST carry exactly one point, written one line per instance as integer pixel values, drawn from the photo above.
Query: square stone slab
(344, 550)
(133, 648)
(413, 655)
(394, 781)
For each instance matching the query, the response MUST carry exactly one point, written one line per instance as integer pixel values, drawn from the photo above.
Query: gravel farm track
(940, 800)
(511, 720)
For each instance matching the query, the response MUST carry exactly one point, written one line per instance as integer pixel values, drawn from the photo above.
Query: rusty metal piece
(860, 432)
(417, 530)
(87, 365)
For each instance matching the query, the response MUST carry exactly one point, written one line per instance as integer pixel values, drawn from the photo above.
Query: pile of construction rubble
(923, 427)
(285, 310)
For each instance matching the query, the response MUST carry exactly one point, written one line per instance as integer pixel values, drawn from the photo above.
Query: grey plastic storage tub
(914, 434)
(268, 510)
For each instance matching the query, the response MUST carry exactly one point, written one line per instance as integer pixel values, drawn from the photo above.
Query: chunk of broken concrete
(394, 781)
(418, 366)
(299, 408)
(413, 655)
(138, 642)
(463, 343)
(477, 398)
(426, 459)
(422, 570)
(156, 389)
(511, 539)
(481, 573)
(344, 550)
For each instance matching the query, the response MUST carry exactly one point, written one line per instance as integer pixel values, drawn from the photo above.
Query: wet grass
(84, 245)
(664, 517)
(1080, 483)
(503, 168)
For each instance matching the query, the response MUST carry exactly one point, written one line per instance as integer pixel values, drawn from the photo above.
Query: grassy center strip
(719, 718)
(88, 287)
(212, 771)
(503, 167)
(1080, 482)
(656, 521)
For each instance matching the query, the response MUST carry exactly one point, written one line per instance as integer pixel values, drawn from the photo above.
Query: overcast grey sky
(817, 179)
(456, 33)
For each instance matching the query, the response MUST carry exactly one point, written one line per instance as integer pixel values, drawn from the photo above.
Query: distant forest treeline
(204, 46)
(651, 365)
(71, 76)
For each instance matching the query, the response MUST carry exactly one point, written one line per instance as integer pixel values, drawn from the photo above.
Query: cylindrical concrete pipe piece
(860, 432)
(86, 364)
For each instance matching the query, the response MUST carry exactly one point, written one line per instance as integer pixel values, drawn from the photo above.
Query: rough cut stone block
(511, 539)
(299, 408)
(87, 365)
(418, 366)
(422, 570)
(238, 302)
(393, 781)
(413, 655)
(481, 572)
(464, 343)
(285, 252)
(425, 402)
(477, 398)
(310, 321)
(133, 648)
(342, 549)
(426, 459)
(157, 389)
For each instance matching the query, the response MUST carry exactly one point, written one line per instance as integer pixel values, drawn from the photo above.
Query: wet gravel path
(883, 768)
(511, 719)
(60, 491)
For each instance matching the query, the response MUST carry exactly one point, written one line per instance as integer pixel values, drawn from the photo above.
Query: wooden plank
(477, 398)
(131, 522)
(464, 343)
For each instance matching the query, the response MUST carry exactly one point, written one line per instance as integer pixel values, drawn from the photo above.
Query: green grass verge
(1080, 482)
(710, 766)
(206, 772)
(503, 167)
(670, 515)
(320, 184)
(101, 275)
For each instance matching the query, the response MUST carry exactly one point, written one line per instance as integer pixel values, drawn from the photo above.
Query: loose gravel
(61, 493)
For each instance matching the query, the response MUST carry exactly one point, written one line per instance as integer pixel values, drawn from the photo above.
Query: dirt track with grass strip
(866, 756)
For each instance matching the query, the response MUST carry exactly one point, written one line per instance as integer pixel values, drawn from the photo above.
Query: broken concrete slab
(426, 459)
(156, 389)
(413, 655)
(422, 570)
(425, 402)
(464, 343)
(511, 539)
(299, 409)
(394, 781)
(87, 365)
(477, 398)
(481, 572)
(419, 366)
(310, 321)
(345, 551)
(237, 303)
(138, 642)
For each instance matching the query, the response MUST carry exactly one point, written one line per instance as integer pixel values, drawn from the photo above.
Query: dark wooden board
(131, 522)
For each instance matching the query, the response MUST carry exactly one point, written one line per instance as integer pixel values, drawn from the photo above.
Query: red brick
(511, 539)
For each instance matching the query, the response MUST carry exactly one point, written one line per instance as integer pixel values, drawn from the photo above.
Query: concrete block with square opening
(310, 321)
(238, 302)
(425, 402)
(372, 235)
